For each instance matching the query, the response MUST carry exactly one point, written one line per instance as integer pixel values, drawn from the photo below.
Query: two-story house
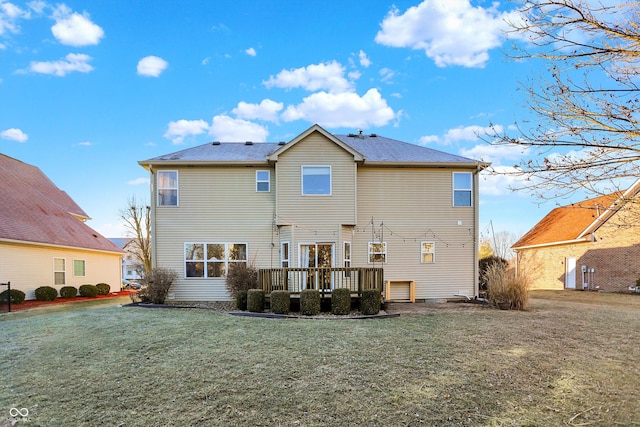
(319, 200)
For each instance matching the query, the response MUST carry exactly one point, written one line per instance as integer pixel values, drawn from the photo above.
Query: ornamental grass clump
(68, 292)
(310, 302)
(46, 293)
(255, 300)
(507, 289)
(370, 302)
(341, 301)
(280, 302)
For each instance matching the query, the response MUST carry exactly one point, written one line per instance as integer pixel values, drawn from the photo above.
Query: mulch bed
(29, 304)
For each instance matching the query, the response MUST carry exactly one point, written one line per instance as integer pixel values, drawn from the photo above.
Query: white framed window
(346, 254)
(377, 252)
(263, 181)
(79, 268)
(59, 271)
(316, 180)
(427, 252)
(284, 254)
(210, 260)
(462, 189)
(167, 183)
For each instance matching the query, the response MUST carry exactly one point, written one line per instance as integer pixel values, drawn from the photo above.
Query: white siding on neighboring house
(30, 266)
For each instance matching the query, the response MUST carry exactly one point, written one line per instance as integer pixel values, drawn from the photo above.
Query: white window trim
(268, 181)
(316, 166)
(282, 258)
(226, 261)
(454, 189)
(346, 260)
(369, 253)
(85, 267)
(424, 253)
(158, 188)
(64, 271)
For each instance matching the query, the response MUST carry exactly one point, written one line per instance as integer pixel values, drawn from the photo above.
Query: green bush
(156, 284)
(68, 292)
(370, 302)
(310, 302)
(341, 301)
(280, 302)
(46, 293)
(17, 296)
(255, 300)
(103, 288)
(241, 300)
(88, 291)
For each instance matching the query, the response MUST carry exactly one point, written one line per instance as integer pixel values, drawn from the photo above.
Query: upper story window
(263, 181)
(316, 180)
(462, 189)
(167, 188)
(427, 252)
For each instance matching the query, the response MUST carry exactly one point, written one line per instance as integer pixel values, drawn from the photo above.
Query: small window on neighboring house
(462, 190)
(427, 252)
(284, 254)
(316, 180)
(59, 272)
(78, 267)
(377, 252)
(167, 188)
(263, 181)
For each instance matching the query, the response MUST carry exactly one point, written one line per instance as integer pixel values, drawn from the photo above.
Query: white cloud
(500, 183)
(267, 110)
(180, 129)
(462, 133)
(364, 60)
(328, 76)
(228, 129)
(73, 29)
(86, 144)
(251, 52)
(342, 110)
(428, 139)
(386, 74)
(14, 134)
(138, 181)
(496, 153)
(151, 66)
(10, 14)
(451, 32)
(72, 62)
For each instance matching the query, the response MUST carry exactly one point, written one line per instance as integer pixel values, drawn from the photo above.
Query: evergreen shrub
(341, 301)
(68, 292)
(310, 302)
(241, 300)
(103, 288)
(17, 296)
(46, 293)
(88, 291)
(370, 302)
(255, 300)
(280, 302)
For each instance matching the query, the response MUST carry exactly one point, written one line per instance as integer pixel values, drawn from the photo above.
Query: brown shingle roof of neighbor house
(34, 210)
(567, 223)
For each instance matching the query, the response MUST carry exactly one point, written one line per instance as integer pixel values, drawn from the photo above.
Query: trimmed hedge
(68, 292)
(46, 293)
(341, 301)
(370, 302)
(103, 288)
(280, 302)
(17, 296)
(310, 302)
(88, 291)
(255, 300)
(241, 300)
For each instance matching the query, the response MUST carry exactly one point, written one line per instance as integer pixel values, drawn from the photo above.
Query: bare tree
(586, 127)
(137, 219)
(501, 243)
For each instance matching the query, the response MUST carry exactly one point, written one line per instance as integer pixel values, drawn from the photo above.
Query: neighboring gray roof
(375, 149)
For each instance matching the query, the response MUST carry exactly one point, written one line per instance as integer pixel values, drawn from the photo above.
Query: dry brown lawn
(572, 359)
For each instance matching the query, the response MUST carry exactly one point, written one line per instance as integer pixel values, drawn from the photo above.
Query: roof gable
(576, 221)
(316, 128)
(34, 210)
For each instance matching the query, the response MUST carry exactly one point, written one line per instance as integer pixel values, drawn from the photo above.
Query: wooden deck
(295, 280)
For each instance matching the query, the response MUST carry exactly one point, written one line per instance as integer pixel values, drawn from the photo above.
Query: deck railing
(324, 279)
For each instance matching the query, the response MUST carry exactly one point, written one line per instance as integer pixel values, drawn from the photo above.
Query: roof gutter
(563, 242)
(52, 245)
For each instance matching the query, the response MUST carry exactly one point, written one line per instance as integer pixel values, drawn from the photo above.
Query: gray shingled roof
(34, 210)
(375, 149)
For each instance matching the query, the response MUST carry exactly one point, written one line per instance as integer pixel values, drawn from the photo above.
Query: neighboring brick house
(593, 244)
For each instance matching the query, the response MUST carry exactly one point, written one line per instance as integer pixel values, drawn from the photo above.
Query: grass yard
(573, 359)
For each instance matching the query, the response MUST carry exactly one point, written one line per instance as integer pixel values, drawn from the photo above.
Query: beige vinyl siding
(415, 205)
(217, 205)
(320, 212)
(31, 266)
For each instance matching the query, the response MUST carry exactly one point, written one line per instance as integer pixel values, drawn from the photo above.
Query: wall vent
(215, 143)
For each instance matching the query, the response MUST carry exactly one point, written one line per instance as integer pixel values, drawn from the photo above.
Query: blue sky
(87, 89)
